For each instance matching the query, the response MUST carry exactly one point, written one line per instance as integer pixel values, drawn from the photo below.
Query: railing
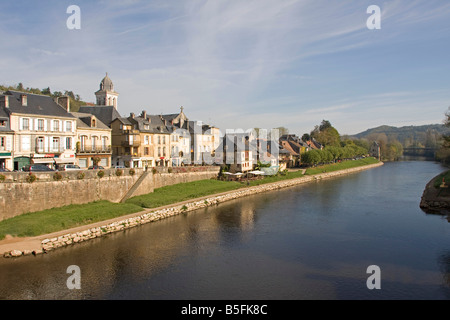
(133, 143)
(94, 149)
(39, 150)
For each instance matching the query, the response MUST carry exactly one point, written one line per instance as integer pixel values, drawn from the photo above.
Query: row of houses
(41, 129)
(241, 152)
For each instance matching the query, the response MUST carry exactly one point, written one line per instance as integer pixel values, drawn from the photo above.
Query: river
(313, 241)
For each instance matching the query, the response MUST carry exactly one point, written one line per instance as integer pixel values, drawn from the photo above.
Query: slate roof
(4, 115)
(36, 105)
(105, 114)
(84, 121)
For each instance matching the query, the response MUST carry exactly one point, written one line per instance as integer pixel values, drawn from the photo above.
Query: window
(55, 144)
(146, 140)
(159, 139)
(83, 143)
(25, 124)
(159, 151)
(68, 143)
(40, 125)
(55, 125)
(164, 139)
(40, 144)
(146, 151)
(104, 143)
(2, 143)
(68, 126)
(2, 123)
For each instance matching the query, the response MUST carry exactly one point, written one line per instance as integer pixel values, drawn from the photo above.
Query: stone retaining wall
(18, 196)
(155, 215)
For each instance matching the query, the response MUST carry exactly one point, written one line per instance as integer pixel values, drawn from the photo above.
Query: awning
(43, 160)
(64, 160)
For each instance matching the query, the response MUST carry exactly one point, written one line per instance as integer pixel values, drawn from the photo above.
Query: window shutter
(64, 126)
(20, 124)
(45, 125)
(61, 125)
(8, 143)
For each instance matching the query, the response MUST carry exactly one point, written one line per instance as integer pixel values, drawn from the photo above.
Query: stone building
(93, 141)
(106, 96)
(6, 139)
(44, 129)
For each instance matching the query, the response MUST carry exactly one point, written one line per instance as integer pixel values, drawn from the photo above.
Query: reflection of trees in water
(444, 265)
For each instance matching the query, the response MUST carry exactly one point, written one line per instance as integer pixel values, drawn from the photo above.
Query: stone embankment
(49, 244)
(436, 200)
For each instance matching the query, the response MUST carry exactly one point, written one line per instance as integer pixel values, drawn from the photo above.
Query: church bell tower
(106, 96)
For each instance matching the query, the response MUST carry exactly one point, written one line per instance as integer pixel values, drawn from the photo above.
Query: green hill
(409, 136)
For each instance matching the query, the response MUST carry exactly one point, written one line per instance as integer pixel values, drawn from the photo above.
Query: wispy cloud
(257, 62)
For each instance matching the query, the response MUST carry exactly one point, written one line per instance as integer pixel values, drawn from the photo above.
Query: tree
(46, 91)
(282, 131)
(306, 137)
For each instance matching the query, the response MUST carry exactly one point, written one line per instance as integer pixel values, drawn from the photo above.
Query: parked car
(95, 167)
(37, 167)
(119, 167)
(68, 167)
(4, 170)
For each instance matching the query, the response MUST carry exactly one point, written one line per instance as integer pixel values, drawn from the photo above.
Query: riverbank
(436, 196)
(15, 247)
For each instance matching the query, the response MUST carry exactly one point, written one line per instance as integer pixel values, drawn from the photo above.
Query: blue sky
(241, 64)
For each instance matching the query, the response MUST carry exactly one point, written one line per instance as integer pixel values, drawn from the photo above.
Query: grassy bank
(341, 166)
(444, 175)
(57, 219)
(52, 220)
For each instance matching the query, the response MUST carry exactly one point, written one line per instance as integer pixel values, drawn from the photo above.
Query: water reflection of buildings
(126, 257)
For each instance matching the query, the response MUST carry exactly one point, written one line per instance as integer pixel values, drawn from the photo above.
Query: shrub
(169, 170)
(2, 177)
(31, 178)
(57, 176)
(132, 172)
(101, 174)
(80, 175)
(154, 170)
(119, 172)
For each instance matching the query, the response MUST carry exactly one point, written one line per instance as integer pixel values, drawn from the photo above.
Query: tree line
(75, 99)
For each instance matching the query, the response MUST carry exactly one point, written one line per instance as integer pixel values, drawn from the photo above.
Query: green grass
(57, 219)
(52, 220)
(444, 175)
(341, 166)
(183, 191)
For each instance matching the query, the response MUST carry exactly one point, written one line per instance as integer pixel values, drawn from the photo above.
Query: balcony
(134, 143)
(41, 150)
(94, 149)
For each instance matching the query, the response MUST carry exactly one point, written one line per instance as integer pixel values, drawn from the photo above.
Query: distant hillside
(75, 99)
(408, 136)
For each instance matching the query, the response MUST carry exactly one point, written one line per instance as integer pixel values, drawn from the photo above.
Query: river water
(313, 241)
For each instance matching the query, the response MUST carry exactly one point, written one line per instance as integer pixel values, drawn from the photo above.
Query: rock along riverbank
(46, 243)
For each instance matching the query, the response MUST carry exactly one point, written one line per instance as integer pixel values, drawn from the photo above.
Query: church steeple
(106, 96)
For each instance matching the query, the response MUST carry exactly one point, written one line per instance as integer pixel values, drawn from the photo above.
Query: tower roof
(106, 84)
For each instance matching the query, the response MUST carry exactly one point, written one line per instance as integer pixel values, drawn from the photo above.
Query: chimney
(64, 102)
(4, 101)
(132, 115)
(144, 114)
(24, 99)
